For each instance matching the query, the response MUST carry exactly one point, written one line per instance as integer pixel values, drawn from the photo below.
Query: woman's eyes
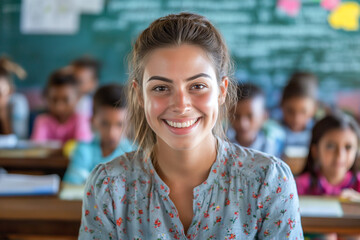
(160, 88)
(163, 88)
(198, 86)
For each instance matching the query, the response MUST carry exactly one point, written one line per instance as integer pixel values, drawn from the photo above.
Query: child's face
(5, 92)
(336, 152)
(248, 119)
(87, 81)
(109, 122)
(181, 96)
(62, 101)
(297, 112)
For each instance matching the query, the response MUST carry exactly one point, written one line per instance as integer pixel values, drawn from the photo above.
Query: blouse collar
(164, 190)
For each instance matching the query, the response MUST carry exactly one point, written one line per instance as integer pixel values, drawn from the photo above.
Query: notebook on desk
(22, 185)
(72, 192)
(312, 206)
(30, 149)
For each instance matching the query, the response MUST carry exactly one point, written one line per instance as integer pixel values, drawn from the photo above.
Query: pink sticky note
(330, 4)
(290, 7)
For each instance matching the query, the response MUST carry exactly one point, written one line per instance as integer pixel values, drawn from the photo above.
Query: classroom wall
(267, 39)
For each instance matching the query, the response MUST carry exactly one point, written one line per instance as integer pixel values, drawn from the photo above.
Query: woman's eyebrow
(160, 78)
(170, 81)
(198, 76)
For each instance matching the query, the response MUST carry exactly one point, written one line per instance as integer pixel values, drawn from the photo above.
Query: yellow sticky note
(345, 16)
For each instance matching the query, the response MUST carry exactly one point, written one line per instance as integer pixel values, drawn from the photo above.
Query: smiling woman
(186, 181)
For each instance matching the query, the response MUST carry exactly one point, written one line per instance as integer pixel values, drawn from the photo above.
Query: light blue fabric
(301, 139)
(270, 139)
(19, 115)
(247, 195)
(87, 155)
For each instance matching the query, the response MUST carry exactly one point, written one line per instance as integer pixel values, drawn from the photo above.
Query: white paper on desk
(72, 192)
(21, 184)
(320, 207)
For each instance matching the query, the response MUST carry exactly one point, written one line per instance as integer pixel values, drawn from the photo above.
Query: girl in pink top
(331, 167)
(331, 164)
(61, 122)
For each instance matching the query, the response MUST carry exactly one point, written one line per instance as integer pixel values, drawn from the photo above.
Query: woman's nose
(181, 102)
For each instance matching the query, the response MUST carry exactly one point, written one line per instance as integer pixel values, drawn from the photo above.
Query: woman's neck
(188, 166)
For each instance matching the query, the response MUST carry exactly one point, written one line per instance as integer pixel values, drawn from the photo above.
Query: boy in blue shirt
(299, 104)
(108, 121)
(250, 125)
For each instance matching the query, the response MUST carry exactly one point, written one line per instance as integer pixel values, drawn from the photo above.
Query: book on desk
(24, 185)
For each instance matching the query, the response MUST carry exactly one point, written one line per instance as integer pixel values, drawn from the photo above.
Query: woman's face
(181, 95)
(336, 152)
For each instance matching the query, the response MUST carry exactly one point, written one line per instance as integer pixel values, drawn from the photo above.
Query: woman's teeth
(181, 124)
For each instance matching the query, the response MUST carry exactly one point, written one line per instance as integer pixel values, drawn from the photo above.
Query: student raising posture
(61, 123)
(108, 122)
(185, 181)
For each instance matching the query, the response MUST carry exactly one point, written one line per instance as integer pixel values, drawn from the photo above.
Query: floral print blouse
(247, 195)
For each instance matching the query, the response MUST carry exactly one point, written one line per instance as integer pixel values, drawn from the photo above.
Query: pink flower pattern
(248, 195)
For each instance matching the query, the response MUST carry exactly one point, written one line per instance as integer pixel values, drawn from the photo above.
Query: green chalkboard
(266, 43)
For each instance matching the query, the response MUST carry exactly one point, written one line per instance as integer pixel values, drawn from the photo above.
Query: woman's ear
(138, 92)
(223, 89)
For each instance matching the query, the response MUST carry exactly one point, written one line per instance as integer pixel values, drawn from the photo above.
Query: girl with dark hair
(61, 122)
(331, 166)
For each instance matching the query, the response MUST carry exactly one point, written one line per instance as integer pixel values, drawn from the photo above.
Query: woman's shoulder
(252, 162)
(127, 166)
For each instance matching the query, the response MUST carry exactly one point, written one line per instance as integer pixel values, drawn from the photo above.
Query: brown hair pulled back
(168, 31)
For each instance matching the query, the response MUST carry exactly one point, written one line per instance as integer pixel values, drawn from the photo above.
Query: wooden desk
(348, 224)
(48, 216)
(53, 163)
(54, 217)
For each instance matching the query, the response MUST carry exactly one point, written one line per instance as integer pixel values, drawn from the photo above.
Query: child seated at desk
(86, 71)
(250, 126)
(331, 167)
(298, 104)
(61, 122)
(109, 142)
(14, 108)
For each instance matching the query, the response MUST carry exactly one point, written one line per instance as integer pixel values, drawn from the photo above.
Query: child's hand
(350, 194)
